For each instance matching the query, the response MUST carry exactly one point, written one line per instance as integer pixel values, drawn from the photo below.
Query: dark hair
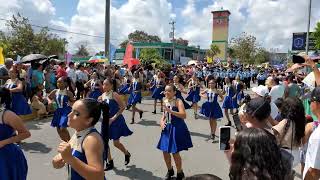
(279, 103)
(71, 63)
(247, 99)
(276, 80)
(293, 110)
(5, 97)
(259, 108)
(203, 177)
(95, 108)
(315, 94)
(173, 87)
(256, 155)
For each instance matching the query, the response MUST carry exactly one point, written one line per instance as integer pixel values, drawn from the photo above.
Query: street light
(308, 31)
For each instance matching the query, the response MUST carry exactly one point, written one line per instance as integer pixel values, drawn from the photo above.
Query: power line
(65, 31)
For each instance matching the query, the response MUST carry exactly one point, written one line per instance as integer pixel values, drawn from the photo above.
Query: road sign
(299, 42)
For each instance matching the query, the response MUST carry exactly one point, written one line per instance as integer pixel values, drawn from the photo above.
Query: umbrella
(193, 62)
(310, 80)
(97, 59)
(33, 57)
(53, 57)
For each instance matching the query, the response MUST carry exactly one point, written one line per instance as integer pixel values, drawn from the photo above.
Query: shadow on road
(206, 136)
(136, 173)
(148, 123)
(36, 124)
(35, 147)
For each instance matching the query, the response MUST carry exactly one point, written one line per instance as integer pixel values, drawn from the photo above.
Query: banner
(112, 51)
(1, 56)
(209, 59)
(128, 59)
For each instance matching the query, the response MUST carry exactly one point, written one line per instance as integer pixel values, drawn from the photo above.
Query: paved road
(147, 161)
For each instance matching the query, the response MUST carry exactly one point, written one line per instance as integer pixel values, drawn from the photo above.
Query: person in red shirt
(61, 71)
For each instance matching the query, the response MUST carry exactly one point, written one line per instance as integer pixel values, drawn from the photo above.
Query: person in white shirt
(277, 90)
(263, 91)
(82, 78)
(71, 71)
(312, 163)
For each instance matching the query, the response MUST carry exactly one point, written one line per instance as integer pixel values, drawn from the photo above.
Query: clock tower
(220, 32)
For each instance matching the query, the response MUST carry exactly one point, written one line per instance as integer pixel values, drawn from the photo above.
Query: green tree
(181, 41)
(151, 56)
(261, 56)
(140, 36)
(316, 35)
(246, 49)
(213, 51)
(22, 40)
(82, 50)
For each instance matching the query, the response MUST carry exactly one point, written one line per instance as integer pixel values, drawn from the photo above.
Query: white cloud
(272, 22)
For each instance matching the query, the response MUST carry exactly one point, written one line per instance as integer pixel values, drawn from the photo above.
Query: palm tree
(213, 51)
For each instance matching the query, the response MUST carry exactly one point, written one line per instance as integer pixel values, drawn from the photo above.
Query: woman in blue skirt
(228, 99)
(13, 164)
(158, 88)
(83, 154)
(175, 136)
(211, 108)
(239, 96)
(95, 86)
(194, 94)
(62, 99)
(19, 104)
(125, 85)
(180, 90)
(135, 96)
(117, 124)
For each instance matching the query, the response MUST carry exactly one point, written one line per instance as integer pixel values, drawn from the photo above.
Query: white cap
(261, 90)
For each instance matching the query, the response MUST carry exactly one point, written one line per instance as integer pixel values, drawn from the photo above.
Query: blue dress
(118, 128)
(179, 96)
(95, 90)
(135, 95)
(124, 88)
(175, 137)
(157, 92)
(60, 116)
(211, 108)
(77, 151)
(13, 164)
(19, 104)
(194, 94)
(228, 101)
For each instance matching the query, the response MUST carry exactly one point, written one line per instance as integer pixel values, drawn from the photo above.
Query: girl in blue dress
(13, 164)
(239, 96)
(135, 96)
(117, 124)
(61, 97)
(125, 85)
(157, 93)
(175, 136)
(84, 153)
(194, 94)
(211, 108)
(95, 87)
(179, 91)
(227, 105)
(19, 104)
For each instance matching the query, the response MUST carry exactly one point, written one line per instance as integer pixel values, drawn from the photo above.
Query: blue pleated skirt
(118, 129)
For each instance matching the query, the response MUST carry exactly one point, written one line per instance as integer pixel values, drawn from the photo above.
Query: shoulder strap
(1, 116)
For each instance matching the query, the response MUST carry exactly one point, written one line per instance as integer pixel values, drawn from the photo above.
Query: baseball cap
(261, 90)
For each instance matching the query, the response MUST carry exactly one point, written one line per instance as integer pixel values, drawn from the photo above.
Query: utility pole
(107, 31)
(308, 31)
(172, 23)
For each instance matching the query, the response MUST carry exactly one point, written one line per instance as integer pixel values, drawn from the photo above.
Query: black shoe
(161, 110)
(141, 112)
(212, 136)
(169, 174)
(154, 112)
(228, 124)
(132, 121)
(127, 158)
(109, 166)
(180, 175)
(128, 107)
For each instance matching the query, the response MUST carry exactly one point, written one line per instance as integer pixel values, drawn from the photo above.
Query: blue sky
(272, 22)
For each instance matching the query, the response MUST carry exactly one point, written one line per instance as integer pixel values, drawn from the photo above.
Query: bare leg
(167, 160)
(227, 115)
(64, 134)
(178, 161)
(109, 155)
(120, 146)
(155, 106)
(161, 103)
(213, 126)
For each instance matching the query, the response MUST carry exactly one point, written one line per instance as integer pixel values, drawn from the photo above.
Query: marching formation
(79, 97)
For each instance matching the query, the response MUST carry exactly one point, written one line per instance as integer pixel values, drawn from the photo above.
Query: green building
(182, 54)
